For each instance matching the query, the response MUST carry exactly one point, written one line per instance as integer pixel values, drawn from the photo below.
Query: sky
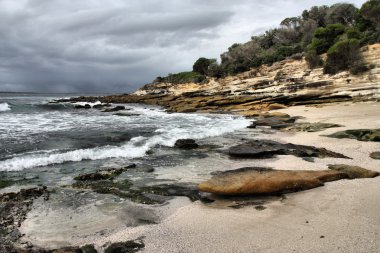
(116, 46)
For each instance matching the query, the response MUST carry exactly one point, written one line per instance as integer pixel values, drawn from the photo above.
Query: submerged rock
(100, 175)
(267, 149)
(375, 155)
(115, 109)
(109, 173)
(100, 106)
(358, 134)
(257, 180)
(186, 144)
(145, 195)
(354, 171)
(126, 114)
(86, 106)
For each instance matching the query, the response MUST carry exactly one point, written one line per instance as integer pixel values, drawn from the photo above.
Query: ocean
(40, 136)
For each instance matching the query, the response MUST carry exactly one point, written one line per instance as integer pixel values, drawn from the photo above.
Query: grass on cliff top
(184, 77)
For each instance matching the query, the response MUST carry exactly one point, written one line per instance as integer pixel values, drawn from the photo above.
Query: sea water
(35, 133)
(43, 143)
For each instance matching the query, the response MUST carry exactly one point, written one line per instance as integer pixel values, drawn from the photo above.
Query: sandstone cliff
(288, 82)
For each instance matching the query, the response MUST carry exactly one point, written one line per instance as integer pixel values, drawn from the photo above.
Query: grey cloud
(116, 45)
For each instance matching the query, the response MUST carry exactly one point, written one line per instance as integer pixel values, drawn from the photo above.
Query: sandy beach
(341, 216)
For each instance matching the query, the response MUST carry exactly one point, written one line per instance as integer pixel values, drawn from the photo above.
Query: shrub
(202, 64)
(215, 70)
(359, 68)
(343, 55)
(313, 59)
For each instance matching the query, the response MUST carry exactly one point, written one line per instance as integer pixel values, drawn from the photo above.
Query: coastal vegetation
(339, 31)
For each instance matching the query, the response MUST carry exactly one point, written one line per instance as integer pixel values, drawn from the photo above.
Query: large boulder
(257, 180)
(252, 180)
(268, 148)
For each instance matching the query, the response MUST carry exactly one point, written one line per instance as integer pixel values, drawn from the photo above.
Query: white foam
(87, 103)
(4, 107)
(170, 128)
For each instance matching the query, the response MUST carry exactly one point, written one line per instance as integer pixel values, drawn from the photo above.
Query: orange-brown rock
(252, 180)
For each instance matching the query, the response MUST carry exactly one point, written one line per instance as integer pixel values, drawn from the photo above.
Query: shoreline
(337, 217)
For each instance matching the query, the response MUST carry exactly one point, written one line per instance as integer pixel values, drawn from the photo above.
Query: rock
(67, 250)
(186, 144)
(86, 106)
(14, 207)
(354, 171)
(276, 122)
(145, 195)
(115, 109)
(126, 114)
(358, 134)
(257, 180)
(125, 247)
(100, 174)
(373, 155)
(267, 149)
(310, 127)
(276, 106)
(100, 106)
(89, 248)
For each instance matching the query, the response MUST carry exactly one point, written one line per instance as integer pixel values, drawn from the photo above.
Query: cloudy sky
(117, 46)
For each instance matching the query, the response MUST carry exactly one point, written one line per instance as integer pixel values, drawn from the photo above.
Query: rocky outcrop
(257, 181)
(358, 134)
(257, 149)
(14, 207)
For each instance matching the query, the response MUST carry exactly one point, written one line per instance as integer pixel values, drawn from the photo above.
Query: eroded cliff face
(288, 82)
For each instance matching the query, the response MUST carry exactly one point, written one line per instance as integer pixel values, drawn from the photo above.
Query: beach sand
(342, 216)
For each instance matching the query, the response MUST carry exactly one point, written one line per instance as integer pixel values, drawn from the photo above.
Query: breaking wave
(177, 127)
(4, 107)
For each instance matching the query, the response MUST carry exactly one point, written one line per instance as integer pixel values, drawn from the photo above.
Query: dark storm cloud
(116, 46)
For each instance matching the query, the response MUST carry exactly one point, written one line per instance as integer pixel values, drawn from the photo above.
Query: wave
(202, 127)
(4, 107)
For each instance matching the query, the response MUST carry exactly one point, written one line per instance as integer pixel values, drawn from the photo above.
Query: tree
(202, 64)
(307, 31)
(370, 10)
(342, 13)
(324, 38)
(318, 14)
(313, 59)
